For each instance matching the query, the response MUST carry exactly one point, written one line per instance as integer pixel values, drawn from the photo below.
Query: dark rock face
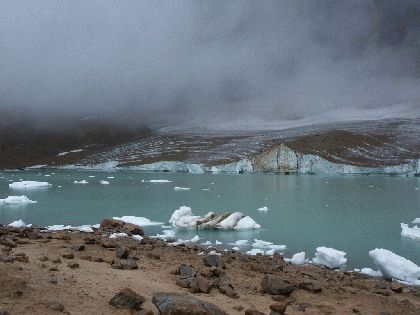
(213, 261)
(179, 304)
(113, 225)
(186, 277)
(127, 299)
(275, 285)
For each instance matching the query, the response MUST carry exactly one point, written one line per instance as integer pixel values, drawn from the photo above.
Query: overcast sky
(217, 64)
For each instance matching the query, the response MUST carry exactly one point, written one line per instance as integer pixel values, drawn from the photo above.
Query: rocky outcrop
(180, 304)
(127, 299)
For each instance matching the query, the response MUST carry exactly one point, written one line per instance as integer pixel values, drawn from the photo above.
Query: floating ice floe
(104, 182)
(298, 258)
(166, 235)
(176, 188)
(207, 243)
(92, 176)
(236, 248)
(394, 266)
(267, 245)
(263, 209)
(83, 182)
(140, 221)
(329, 257)
(184, 218)
(19, 224)
(413, 233)
(118, 235)
(195, 239)
(110, 177)
(369, 272)
(160, 181)
(29, 184)
(416, 221)
(255, 251)
(16, 200)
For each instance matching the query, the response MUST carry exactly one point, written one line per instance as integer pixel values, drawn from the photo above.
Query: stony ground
(79, 273)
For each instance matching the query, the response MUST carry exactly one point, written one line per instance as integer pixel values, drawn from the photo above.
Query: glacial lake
(351, 213)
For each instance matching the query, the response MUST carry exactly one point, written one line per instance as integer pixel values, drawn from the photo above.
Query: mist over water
(212, 64)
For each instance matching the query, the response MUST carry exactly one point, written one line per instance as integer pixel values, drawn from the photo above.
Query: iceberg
(298, 258)
(19, 224)
(247, 223)
(240, 243)
(83, 182)
(184, 218)
(140, 221)
(413, 233)
(394, 266)
(416, 221)
(104, 182)
(329, 257)
(16, 200)
(176, 188)
(29, 184)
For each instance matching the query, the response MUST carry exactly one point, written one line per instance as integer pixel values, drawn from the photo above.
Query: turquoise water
(350, 213)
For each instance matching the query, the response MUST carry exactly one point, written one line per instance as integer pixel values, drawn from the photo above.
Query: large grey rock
(127, 299)
(213, 260)
(276, 285)
(179, 304)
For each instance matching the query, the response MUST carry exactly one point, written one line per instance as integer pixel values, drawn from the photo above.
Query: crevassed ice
(29, 184)
(329, 257)
(16, 200)
(394, 266)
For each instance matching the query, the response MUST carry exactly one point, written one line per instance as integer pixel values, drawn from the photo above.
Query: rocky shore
(89, 273)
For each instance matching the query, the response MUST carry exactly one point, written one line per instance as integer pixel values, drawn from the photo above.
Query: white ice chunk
(140, 221)
(137, 237)
(195, 239)
(104, 182)
(160, 181)
(329, 257)
(218, 243)
(16, 200)
(263, 209)
(183, 218)
(207, 243)
(236, 248)
(255, 251)
(19, 224)
(176, 188)
(85, 228)
(416, 221)
(29, 184)
(118, 235)
(247, 223)
(268, 245)
(166, 234)
(298, 258)
(231, 221)
(83, 182)
(413, 233)
(394, 266)
(369, 272)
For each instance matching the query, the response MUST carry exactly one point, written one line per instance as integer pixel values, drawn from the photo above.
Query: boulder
(78, 248)
(180, 304)
(253, 312)
(68, 256)
(120, 226)
(7, 241)
(275, 285)
(73, 265)
(213, 260)
(127, 299)
(128, 264)
(278, 308)
(56, 306)
(310, 286)
(122, 252)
